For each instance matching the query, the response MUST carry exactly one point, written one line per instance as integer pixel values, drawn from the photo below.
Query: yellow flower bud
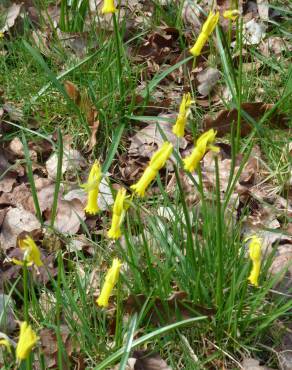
(118, 213)
(6, 343)
(32, 254)
(203, 144)
(231, 14)
(111, 279)
(92, 188)
(207, 29)
(27, 339)
(108, 7)
(184, 110)
(255, 252)
(157, 161)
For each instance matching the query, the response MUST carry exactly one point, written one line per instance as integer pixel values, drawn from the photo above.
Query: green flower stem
(25, 303)
(119, 62)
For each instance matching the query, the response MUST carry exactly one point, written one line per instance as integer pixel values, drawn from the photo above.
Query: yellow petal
(92, 187)
(108, 7)
(199, 44)
(211, 22)
(32, 253)
(231, 14)
(160, 157)
(27, 340)
(6, 343)
(110, 281)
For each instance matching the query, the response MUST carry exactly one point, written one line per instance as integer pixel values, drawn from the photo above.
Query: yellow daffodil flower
(203, 144)
(32, 254)
(207, 29)
(111, 279)
(184, 110)
(6, 343)
(108, 7)
(231, 14)
(27, 339)
(118, 213)
(92, 188)
(156, 163)
(255, 252)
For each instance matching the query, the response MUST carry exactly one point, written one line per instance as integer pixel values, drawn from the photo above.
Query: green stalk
(119, 61)
(58, 311)
(25, 303)
(219, 259)
(239, 97)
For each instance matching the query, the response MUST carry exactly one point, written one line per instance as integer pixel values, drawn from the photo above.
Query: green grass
(199, 250)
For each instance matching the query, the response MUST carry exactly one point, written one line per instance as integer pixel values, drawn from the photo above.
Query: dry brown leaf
(263, 9)
(73, 91)
(92, 140)
(222, 123)
(16, 149)
(143, 360)
(207, 80)
(10, 17)
(253, 32)
(16, 221)
(7, 182)
(274, 45)
(252, 364)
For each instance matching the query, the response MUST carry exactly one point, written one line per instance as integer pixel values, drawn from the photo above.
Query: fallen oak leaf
(222, 123)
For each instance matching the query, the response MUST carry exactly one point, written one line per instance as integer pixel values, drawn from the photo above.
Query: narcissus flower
(156, 163)
(108, 7)
(6, 343)
(207, 29)
(92, 188)
(255, 252)
(231, 14)
(111, 279)
(184, 110)
(203, 144)
(118, 214)
(32, 254)
(27, 339)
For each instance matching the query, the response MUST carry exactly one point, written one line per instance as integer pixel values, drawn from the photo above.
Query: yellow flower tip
(111, 279)
(5, 343)
(118, 212)
(108, 7)
(92, 187)
(32, 253)
(255, 254)
(207, 29)
(231, 14)
(184, 110)
(27, 340)
(157, 161)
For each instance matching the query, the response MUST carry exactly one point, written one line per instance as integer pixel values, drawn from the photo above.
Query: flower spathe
(157, 161)
(27, 340)
(32, 254)
(111, 279)
(92, 188)
(255, 253)
(184, 110)
(5, 343)
(207, 29)
(108, 7)
(231, 14)
(118, 212)
(203, 144)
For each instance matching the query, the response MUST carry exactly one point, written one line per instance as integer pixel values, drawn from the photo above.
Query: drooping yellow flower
(118, 213)
(6, 343)
(108, 7)
(92, 188)
(207, 29)
(111, 279)
(156, 163)
(203, 144)
(27, 339)
(231, 14)
(32, 254)
(255, 252)
(184, 110)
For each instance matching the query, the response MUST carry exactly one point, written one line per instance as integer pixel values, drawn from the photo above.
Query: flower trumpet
(207, 29)
(108, 7)
(255, 252)
(111, 279)
(32, 254)
(27, 339)
(92, 188)
(203, 144)
(118, 213)
(157, 161)
(184, 110)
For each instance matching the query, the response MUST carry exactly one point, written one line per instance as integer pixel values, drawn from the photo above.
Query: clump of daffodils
(255, 254)
(27, 340)
(31, 253)
(231, 14)
(118, 214)
(157, 161)
(203, 144)
(111, 279)
(207, 29)
(184, 111)
(92, 188)
(108, 7)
